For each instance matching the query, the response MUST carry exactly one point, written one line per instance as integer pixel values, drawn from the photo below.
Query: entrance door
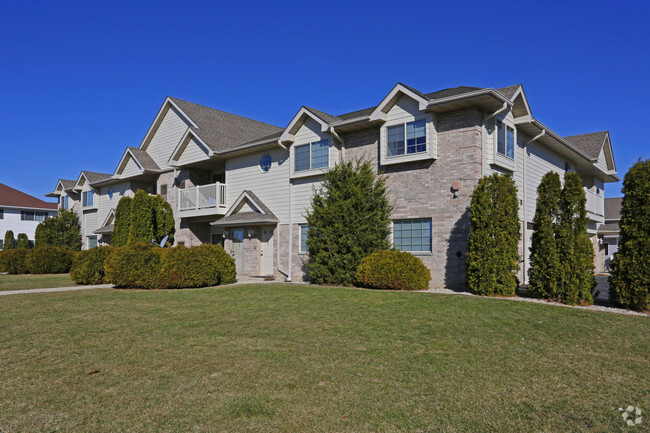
(238, 249)
(266, 251)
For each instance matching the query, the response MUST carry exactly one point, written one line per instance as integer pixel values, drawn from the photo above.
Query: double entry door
(264, 265)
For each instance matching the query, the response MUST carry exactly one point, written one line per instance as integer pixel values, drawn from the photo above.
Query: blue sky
(80, 81)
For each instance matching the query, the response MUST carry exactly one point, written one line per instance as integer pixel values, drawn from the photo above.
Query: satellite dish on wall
(164, 241)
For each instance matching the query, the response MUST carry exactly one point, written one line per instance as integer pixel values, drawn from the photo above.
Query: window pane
(92, 243)
(303, 239)
(510, 148)
(416, 138)
(91, 196)
(302, 158)
(412, 235)
(395, 140)
(319, 154)
(501, 138)
(39, 216)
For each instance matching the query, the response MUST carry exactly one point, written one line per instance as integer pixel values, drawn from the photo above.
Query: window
(88, 198)
(311, 156)
(110, 193)
(39, 216)
(415, 138)
(2, 214)
(26, 215)
(412, 235)
(163, 191)
(303, 238)
(265, 163)
(66, 202)
(505, 140)
(92, 242)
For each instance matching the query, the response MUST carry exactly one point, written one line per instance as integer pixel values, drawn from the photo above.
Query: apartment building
(247, 185)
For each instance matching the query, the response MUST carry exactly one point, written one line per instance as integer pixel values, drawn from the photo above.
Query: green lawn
(306, 358)
(28, 281)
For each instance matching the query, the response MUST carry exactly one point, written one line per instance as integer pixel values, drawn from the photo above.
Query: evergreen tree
(630, 280)
(544, 256)
(142, 219)
(10, 241)
(164, 224)
(348, 221)
(22, 242)
(61, 230)
(492, 256)
(122, 222)
(576, 278)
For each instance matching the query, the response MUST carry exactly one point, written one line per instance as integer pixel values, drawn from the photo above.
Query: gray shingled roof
(324, 116)
(613, 208)
(590, 144)
(68, 184)
(509, 91)
(608, 228)
(223, 131)
(106, 230)
(454, 91)
(94, 177)
(144, 159)
(247, 218)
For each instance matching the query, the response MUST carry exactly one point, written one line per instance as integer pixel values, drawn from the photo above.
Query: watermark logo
(632, 415)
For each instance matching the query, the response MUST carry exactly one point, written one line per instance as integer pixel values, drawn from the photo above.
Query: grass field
(293, 358)
(28, 281)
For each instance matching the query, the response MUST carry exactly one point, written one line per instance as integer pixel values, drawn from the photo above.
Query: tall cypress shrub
(141, 228)
(22, 242)
(163, 223)
(10, 241)
(630, 280)
(122, 224)
(576, 278)
(492, 256)
(544, 256)
(348, 221)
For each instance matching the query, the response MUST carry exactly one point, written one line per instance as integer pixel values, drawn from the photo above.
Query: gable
(302, 118)
(396, 94)
(191, 150)
(131, 167)
(405, 108)
(165, 134)
(246, 206)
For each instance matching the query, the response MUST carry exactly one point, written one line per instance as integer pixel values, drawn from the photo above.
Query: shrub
(492, 248)
(22, 242)
(349, 220)
(88, 266)
(630, 280)
(544, 255)
(202, 266)
(163, 220)
(141, 228)
(122, 222)
(10, 241)
(135, 266)
(49, 260)
(393, 270)
(61, 230)
(14, 261)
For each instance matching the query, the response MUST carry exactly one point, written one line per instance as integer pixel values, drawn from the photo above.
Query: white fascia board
(182, 144)
(158, 119)
(468, 95)
(379, 114)
(111, 213)
(259, 143)
(520, 91)
(123, 161)
(288, 136)
(78, 187)
(350, 121)
(560, 139)
(4, 206)
(244, 195)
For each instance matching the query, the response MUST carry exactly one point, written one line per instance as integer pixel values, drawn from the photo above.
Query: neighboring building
(247, 185)
(21, 213)
(610, 231)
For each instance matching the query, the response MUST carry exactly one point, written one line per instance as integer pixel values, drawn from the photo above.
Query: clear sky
(82, 80)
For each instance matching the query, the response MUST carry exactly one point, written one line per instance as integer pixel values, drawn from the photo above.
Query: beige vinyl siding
(602, 161)
(272, 187)
(303, 190)
(106, 204)
(193, 152)
(90, 222)
(166, 138)
(131, 168)
(540, 160)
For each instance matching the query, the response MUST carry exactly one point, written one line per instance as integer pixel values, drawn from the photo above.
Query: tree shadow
(455, 265)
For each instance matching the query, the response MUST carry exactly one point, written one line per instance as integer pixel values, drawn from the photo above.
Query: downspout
(287, 274)
(499, 111)
(340, 140)
(537, 137)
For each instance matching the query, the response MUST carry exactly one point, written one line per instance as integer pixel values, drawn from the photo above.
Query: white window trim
(415, 253)
(90, 206)
(431, 141)
(500, 159)
(312, 171)
(300, 250)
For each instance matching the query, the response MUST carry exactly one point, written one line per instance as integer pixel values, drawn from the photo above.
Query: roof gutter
(499, 111)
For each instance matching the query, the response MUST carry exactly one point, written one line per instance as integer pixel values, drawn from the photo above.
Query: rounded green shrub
(135, 266)
(395, 270)
(14, 261)
(22, 241)
(49, 260)
(88, 266)
(10, 241)
(202, 266)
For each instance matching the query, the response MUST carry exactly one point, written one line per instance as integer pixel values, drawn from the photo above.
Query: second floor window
(312, 155)
(505, 140)
(26, 216)
(407, 138)
(88, 198)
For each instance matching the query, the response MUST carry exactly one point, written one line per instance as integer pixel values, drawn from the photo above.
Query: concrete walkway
(56, 289)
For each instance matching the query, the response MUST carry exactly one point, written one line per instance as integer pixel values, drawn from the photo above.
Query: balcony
(595, 205)
(202, 200)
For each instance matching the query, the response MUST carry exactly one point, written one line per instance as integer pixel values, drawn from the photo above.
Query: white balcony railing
(212, 196)
(595, 202)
